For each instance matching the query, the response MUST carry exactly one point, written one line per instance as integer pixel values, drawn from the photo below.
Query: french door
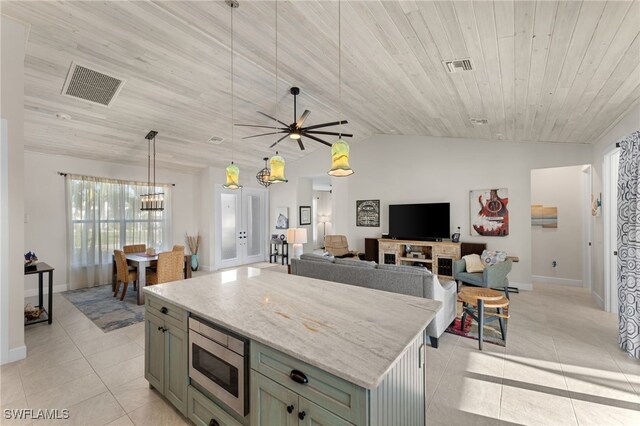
(240, 226)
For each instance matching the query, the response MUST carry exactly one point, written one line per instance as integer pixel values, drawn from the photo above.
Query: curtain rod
(97, 177)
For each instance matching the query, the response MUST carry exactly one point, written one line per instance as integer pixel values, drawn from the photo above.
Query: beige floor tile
(68, 394)
(591, 413)
(40, 380)
(98, 410)
(61, 353)
(114, 356)
(601, 385)
(536, 407)
(135, 394)
(105, 341)
(124, 372)
(12, 413)
(122, 421)
(534, 371)
(11, 388)
(157, 413)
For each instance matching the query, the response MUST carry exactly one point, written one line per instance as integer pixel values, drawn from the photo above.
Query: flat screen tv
(424, 222)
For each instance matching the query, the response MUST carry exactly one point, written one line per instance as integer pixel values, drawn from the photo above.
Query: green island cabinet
(313, 397)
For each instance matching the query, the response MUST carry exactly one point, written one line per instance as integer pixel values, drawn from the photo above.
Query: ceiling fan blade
(300, 144)
(303, 117)
(274, 119)
(262, 134)
(278, 141)
(257, 125)
(318, 132)
(333, 123)
(318, 139)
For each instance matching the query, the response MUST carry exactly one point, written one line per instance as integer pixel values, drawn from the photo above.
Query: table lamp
(297, 237)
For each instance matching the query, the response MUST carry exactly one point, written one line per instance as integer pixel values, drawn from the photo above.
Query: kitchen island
(319, 351)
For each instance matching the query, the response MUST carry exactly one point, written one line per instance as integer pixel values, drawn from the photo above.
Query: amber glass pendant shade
(340, 159)
(276, 163)
(233, 177)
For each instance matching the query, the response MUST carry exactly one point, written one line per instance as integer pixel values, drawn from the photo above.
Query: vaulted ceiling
(542, 71)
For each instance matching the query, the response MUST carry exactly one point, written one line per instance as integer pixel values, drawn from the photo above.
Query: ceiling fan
(295, 130)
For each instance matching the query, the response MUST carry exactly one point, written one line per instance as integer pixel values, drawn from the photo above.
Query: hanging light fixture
(151, 201)
(277, 169)
(263, 175)
(340, 148)
(232, 171)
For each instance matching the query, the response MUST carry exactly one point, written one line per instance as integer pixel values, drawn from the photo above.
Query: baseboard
(556, 280)
(521, 286)
(207, 268)
(56, 289)
(16, 354)
(598, 299)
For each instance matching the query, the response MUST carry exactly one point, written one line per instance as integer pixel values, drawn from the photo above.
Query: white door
(610, 212)
(240, 226)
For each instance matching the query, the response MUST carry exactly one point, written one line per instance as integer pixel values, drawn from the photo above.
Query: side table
(274, 252)
(40, 269)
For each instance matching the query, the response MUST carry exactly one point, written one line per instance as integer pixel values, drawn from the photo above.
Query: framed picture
(368, 213)
(305, 215)
(489, 212)
(282, 217)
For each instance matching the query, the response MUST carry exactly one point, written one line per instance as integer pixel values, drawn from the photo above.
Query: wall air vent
(480, 121)
(458, 65)
(90, 85)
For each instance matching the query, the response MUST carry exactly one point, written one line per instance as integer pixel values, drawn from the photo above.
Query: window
(104, 215)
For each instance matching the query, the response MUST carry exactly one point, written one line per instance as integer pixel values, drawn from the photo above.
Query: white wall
(13, 37)
(624, 127)
(323, 202)
(45, 209)
(559, 187)
(405, 169)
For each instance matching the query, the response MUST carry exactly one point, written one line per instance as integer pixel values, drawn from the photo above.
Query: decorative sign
(489, 213)
(368, 213)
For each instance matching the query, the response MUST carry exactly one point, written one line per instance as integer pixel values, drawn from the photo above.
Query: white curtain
(104, 215)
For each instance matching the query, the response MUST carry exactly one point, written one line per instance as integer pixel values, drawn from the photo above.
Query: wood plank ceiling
(543, 71)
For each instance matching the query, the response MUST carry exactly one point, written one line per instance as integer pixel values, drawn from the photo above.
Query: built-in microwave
(219, 363)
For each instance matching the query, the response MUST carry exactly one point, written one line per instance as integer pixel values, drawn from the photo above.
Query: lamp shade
(277, 169)
(323, 219)
(297, 235)
(340, 159)
(233, 177)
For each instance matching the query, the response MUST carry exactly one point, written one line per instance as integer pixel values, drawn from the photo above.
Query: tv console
(437, 256)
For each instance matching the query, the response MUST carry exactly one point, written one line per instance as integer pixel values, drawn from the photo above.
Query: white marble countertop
(354, 333)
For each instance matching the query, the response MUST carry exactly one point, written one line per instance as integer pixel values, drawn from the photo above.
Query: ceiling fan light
(276, 163)
(295, 135)
(233, 177)
(340, 159)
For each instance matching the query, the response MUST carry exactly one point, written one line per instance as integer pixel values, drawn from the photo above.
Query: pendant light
(277, 169)
(151, 201)
(340, 148)
(263, 175)
(232, 171)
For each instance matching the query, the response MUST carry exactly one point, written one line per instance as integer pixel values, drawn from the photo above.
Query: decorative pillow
(491, 257)
(473, 262)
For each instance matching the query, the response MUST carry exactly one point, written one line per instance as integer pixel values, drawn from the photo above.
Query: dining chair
(170, 267)
(134, 248)
(123, 274)
(178, 248)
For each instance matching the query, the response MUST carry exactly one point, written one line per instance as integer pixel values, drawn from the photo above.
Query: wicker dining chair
(170, 267)
(123, 274)
(178, 248)
(135, 248)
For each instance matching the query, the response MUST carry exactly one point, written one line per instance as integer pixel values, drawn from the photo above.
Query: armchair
(338, 246)
(491, 277)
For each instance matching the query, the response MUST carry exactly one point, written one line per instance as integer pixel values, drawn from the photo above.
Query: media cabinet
(438, 257)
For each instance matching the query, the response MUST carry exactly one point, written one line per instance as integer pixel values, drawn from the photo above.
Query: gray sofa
(407, 280)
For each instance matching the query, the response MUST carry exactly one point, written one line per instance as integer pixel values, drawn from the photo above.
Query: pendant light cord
(154, 164)
(340, 68)
(232, 91)
(276, 26)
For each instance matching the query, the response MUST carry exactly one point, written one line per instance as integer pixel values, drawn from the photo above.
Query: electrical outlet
(554, 263)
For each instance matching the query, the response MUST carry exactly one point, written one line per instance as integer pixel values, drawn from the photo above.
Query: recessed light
(62, 116)
(215, 140)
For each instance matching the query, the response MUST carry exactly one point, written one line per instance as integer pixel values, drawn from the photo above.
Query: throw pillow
(473, 262)
(491, 257)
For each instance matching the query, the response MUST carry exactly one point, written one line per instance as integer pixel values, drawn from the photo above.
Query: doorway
(240, 226)
(610, 215)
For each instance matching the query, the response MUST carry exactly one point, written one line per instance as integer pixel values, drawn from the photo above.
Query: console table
(40, 269)
(436, 256)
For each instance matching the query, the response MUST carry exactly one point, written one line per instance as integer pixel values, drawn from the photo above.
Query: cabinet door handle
(290, 409)
(160, 329)
(301, 415)
(214, 422)
(164, 310)
(299, 377)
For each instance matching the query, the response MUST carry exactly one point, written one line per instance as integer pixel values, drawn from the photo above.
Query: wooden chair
(135, 248)
(124, 275)
(169, 268)
(178, 248)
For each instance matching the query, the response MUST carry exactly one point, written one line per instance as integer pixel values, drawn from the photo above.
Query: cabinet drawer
(448, 250)
(330, 392)
(167, 311)
(201, 410)
(388, 246)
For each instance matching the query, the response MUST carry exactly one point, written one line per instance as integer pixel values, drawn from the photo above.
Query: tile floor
(561, 366)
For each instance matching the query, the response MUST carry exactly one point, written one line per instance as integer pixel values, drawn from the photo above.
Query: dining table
(142, 261)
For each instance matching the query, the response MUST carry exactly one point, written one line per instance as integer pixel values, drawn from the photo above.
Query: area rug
(106, 311)
(491, 330)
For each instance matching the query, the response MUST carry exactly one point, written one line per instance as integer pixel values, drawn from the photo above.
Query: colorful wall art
(489, 212)
(547, 217)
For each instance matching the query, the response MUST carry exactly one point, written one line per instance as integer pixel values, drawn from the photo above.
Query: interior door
(241, 227)
(610, 211)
